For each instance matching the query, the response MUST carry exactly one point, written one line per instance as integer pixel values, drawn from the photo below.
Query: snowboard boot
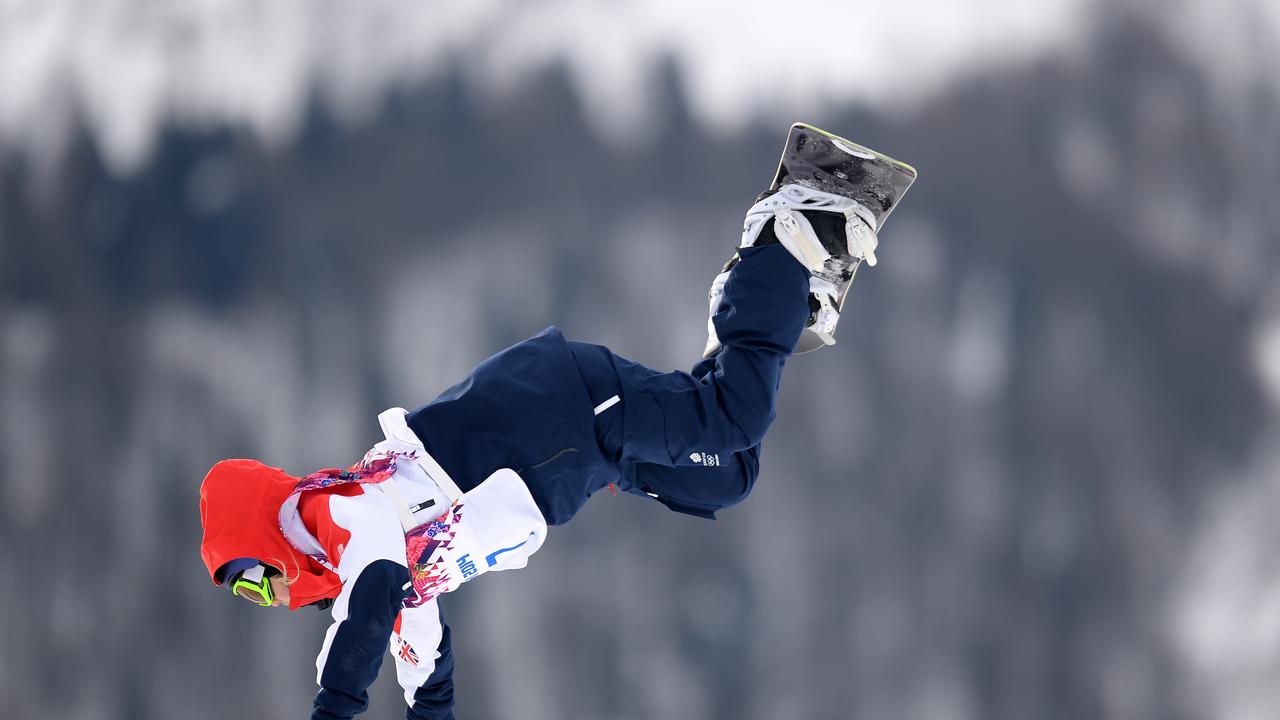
(827, 202)
(828, 250)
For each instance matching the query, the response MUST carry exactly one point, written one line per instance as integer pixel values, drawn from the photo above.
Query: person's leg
(699, 490)
(692, 439)
(526, 408)
(696, 485)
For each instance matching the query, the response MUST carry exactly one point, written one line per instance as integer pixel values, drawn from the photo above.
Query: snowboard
(819, 160)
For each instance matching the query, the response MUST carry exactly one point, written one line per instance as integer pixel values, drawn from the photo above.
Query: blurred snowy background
(1038, 478)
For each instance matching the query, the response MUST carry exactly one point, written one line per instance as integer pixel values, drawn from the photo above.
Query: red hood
(240, 510)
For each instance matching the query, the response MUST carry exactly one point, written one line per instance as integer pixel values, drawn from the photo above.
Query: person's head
(243, 504)
(255, 581)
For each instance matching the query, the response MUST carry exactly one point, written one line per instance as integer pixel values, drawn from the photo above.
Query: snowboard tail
(819, 160)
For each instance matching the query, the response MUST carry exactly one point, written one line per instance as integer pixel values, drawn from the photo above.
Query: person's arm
(423, 652)
(375, 581)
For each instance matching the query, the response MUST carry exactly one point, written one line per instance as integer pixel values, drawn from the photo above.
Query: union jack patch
(406, 652)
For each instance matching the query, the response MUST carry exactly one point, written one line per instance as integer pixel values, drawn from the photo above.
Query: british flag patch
(406, 652)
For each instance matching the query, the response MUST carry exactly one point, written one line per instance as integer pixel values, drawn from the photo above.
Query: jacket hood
(240, 504)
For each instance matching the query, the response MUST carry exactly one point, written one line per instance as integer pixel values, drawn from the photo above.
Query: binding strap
(392, 491)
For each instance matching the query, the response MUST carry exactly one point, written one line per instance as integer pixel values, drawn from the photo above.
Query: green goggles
(254, 585)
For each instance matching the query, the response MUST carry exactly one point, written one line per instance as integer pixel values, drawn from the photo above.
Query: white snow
(1226, 616)
(127, 67)
(1266, 354)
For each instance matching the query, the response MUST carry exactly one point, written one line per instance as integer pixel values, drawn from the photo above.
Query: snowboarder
(469, 483)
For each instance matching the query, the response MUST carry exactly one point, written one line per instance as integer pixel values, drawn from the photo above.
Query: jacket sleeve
(423, 652)
(374, 584)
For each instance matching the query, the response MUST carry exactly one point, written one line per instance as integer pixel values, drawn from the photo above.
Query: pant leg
(693, 439)
(525, 408)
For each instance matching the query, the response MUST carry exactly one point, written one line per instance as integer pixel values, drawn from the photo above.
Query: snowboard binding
(827, 202)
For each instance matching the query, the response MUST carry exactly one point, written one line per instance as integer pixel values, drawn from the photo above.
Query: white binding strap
(799, 238)
(860, 234)
(607, 404)
(389, 488)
